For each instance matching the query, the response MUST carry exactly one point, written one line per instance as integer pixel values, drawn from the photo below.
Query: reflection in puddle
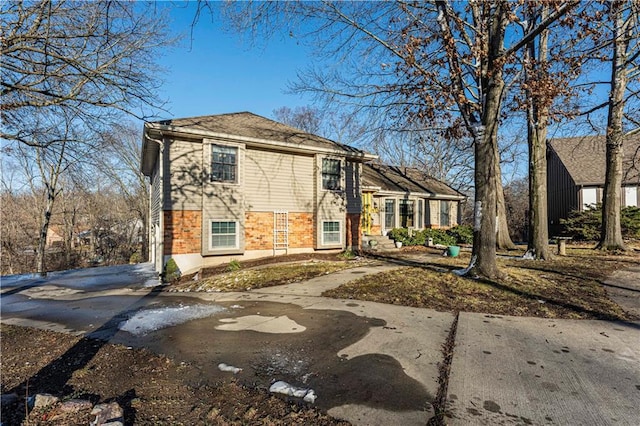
(261, 324)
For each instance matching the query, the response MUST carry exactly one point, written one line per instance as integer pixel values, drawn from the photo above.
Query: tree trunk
(42, 241)
(487, 164)
(537, 120)
(538, 244)
(503, 240)
(611, 237)
(483, 261)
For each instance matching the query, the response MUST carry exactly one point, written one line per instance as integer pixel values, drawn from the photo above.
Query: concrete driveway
(369, 363)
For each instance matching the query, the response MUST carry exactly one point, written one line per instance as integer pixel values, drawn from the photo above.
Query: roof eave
(258, 142)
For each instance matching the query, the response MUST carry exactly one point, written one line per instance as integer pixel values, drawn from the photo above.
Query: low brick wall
(182, 231)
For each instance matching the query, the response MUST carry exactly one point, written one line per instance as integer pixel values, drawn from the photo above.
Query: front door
(389, 214)
(367, 212)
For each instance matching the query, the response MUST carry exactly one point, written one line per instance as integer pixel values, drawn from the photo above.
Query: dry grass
(266, 276)
(565, 287)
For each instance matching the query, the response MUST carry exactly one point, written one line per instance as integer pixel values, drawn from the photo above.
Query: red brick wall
(182, 231)
(354, 231)
(259, 230)
(302, 230)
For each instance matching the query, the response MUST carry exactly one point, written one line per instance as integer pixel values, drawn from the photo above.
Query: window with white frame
(224, 235)
(330, 174)
(331, 233)
(224, 163)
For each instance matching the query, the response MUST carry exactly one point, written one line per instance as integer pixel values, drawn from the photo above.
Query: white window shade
(631, 196)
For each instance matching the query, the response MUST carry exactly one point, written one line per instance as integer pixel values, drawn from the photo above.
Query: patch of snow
(237, 307)
(146, 321)
(465, 271)
(230, 368)
(285, 388)
(529, 255)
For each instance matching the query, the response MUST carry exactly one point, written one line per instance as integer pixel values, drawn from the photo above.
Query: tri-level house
(576, 174)
(240, 186)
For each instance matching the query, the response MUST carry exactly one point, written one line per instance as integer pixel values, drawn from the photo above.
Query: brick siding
(182, 231)
(302, 230)
(354, 231)
(259, 230)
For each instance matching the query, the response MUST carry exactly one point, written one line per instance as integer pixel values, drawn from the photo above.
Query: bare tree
(436, 61)
(625, 43)
(123, 147)
(92, 59)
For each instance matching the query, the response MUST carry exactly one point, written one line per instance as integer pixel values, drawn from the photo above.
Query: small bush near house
(171, 271)
(587, 225)
(462, 233)
(419, 238)
(135, 258)
(234, 265)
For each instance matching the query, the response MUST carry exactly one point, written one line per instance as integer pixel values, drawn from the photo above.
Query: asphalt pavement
(369, 363)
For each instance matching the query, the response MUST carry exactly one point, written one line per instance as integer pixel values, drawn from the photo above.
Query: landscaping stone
(43, 400)
(107, 414)
(75, 405)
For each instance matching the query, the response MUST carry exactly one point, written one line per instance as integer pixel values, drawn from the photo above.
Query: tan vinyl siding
(184, 164)
(278, 181)
(331, 204)
(223, 201)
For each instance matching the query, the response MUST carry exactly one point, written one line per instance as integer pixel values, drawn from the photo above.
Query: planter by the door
(398, 244)
(453, 251)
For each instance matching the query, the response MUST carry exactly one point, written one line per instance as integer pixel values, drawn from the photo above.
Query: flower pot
(398, 244)
(453, 251)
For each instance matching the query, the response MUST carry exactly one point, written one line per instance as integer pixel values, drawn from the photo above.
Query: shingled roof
(249, 125)
(584, 158)
(405, 179)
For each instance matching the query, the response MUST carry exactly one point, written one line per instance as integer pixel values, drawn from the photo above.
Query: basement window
(224, 235)
(331, 234)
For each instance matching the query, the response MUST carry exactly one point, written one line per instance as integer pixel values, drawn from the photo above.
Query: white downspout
(160, 241)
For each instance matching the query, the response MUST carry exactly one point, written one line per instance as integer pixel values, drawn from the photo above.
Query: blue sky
(213, 72)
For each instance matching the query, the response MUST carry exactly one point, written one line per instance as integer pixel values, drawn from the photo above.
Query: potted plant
(398, 244)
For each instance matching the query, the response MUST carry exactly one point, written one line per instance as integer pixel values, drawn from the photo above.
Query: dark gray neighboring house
(576, 174)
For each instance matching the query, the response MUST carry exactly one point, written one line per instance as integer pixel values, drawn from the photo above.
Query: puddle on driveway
(267, 348)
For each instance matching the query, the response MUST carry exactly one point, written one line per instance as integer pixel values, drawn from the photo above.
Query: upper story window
(330, 174)
(224, 163)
